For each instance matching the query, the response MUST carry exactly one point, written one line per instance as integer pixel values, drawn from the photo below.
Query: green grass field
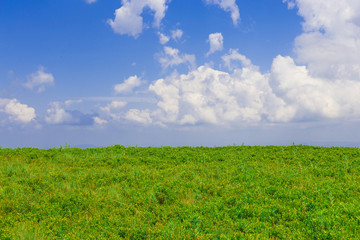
(237, 192)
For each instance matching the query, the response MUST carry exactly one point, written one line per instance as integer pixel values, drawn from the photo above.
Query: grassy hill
(237, 192)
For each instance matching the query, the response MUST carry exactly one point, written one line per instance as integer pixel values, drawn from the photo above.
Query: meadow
(234, 192)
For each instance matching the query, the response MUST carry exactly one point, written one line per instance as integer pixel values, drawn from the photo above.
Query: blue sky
(180, 72)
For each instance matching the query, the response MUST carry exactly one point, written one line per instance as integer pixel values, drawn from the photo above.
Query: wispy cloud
(235, 56)
(163, 38)
(229, 6)
(176, 34)
(128, 85)
(90, 1)
(172, 57)
(39, 80)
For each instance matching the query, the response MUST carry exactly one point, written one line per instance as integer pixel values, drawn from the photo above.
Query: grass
(238, 192)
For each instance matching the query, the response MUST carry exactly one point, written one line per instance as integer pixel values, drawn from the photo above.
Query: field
(235, 192)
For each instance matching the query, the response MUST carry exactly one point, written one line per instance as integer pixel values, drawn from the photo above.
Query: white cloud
(176, 34)
(140, 116)
(229, 6)
(210, 96)
(163, 38)
(39, 80)
(330, 45)
(169, 102)
(113, 105)
(113, 109)
(99, 121)
(72, 102)
(216, 43)
(314, 97)
(17, 111)
(235, 56)
(323, 82)
(291, 3)
(245, 95)
(90, 1)
(58, 115)
(327, 85)
(128, 85)
(171, 57)
(128, 19)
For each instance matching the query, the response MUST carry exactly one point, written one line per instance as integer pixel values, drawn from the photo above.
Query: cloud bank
(57, 114)
(330, 43)
(322, 82)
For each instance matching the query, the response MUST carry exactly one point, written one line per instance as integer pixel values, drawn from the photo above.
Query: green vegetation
(238, 192)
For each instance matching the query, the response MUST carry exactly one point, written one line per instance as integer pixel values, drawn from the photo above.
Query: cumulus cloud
(113, 109)
(172, 57)
(229, 6)
(140, 116)
(330, 45)
(176, 34)
(245, 95)
(128, 85)
(327, 83)
(169, 102)
(321, 82)
(58, 115)
(99, 121)
(313, 97)
(128, 19)
(216, 43)
(39, 80)
(206, 95)
(17, 111)
(235, 56)
(163, 38)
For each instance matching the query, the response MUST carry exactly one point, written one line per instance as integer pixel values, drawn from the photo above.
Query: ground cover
(235, 192)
